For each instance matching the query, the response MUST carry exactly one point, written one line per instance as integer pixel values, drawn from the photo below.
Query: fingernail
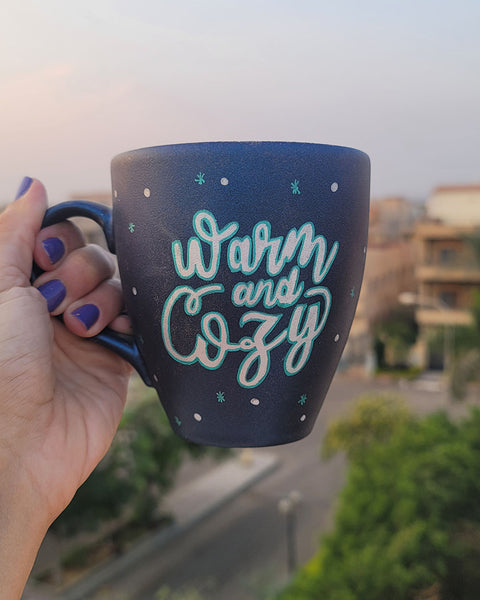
(54, 248)
(87, 314)
(54, 293)
(24, 187)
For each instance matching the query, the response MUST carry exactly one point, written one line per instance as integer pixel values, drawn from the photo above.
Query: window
(447, 256)
(448, 299)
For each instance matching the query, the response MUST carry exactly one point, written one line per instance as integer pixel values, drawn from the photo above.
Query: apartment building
(448, 268)
(389, 271)
(392, 218)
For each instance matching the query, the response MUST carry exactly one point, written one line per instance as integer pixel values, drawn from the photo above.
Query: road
(240, 552)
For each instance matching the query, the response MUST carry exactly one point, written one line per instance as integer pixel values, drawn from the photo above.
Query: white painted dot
(302, 418)
(146, 192)
(134, 291)
(364, 249)
(224, 181)
(334, 186)
(255, 401)
(155, 378)
(115, 194)
(337, 337)
(197, 417)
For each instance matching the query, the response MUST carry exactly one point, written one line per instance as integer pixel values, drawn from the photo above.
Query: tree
(165, 593)
(466, 363)
(407, 525)
(393, 338)
(373, 417)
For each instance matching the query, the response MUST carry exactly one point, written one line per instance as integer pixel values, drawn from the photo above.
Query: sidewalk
(189, 505)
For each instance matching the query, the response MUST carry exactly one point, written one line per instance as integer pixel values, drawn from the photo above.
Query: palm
(61, 397)
(80, 390)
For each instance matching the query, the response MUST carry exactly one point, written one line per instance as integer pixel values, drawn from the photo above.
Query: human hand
(61, 397)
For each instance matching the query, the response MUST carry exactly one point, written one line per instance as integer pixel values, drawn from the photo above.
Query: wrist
(23, 525)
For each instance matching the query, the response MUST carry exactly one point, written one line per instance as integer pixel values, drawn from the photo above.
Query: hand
(61, 397)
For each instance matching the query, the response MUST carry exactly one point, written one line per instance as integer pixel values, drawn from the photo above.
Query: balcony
(430, 317)
(457, 272)
(435, 230)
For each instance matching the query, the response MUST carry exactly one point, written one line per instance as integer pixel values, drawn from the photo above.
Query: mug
(241, 265)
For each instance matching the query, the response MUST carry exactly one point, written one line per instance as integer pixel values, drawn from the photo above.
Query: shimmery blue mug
(241, 265)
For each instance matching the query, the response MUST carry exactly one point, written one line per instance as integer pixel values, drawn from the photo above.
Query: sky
(83, 81)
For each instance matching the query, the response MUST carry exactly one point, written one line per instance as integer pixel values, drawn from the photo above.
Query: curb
(190, 504)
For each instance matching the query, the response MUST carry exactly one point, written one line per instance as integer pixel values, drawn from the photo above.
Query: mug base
(229, 441)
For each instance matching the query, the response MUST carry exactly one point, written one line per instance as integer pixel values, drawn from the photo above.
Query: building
(448, 267)
(392, 218)
(389, 271)
(455, 205)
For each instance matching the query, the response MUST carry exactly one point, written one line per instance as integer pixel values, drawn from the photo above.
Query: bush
(373, 417)
(408, 521)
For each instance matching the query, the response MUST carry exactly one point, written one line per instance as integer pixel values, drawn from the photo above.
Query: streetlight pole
(287, 506)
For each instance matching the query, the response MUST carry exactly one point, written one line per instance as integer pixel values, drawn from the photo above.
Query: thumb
(20, 223)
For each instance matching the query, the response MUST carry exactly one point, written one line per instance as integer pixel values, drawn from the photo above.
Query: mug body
(241, 265)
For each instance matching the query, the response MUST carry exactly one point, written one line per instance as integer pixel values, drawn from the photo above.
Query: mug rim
(231, 144)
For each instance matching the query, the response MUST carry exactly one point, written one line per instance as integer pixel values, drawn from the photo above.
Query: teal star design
(294, 186)
(200, 179)
(177, 421)
(303, 399)
(352, 292)
(131, 227)
(221, 396)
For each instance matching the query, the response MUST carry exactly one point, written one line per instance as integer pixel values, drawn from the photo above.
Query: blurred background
(81, 82)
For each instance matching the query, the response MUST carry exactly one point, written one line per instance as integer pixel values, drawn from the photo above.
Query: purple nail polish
(87, 314)
(54, 248)
(24, 186)
(54, 293)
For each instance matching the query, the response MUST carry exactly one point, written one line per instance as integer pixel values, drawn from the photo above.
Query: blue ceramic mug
(241, 265)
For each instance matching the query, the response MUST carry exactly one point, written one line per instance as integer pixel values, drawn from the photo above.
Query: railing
(459, 262)
(456, 272)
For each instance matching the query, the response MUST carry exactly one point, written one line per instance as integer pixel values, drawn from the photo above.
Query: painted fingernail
(87, 314)
(24, 187)
(54, 248)
(54, 293)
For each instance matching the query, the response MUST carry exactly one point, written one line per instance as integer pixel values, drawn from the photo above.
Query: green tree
(472, 241)
(408, 520)
(393, 338)
(373, 417)
(165, 593)
(466, 363)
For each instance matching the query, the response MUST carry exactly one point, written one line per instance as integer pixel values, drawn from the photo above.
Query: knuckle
(95, 261)
(65, 230)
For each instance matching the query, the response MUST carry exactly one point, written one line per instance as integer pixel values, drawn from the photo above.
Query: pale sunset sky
(83, 81)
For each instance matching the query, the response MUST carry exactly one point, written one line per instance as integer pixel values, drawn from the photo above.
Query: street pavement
(237, 550)
(189, 504)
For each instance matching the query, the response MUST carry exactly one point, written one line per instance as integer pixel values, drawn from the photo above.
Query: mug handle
(123, 345)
